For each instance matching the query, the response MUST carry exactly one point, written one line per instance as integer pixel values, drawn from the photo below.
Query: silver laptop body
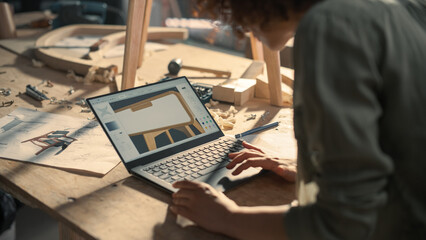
(163, 133)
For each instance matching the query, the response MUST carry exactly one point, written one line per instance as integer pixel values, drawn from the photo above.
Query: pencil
(258, 129)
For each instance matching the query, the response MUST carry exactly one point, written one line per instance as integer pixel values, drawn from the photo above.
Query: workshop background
(31, 223)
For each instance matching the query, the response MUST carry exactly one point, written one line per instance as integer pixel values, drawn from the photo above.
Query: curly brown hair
(243, 13)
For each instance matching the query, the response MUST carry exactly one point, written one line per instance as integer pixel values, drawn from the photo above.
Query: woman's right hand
(252, 156)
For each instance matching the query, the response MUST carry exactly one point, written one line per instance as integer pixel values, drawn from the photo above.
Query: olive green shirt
(360, 120)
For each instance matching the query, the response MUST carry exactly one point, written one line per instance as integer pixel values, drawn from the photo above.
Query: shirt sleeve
(337, 90)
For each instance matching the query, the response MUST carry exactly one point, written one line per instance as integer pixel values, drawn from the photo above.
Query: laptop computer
(163, 133)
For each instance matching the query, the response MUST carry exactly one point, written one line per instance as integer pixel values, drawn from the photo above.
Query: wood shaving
(37, 64)
(71, 75)
(49, 84)
(96, 74)
(213, 103)
(225, 119)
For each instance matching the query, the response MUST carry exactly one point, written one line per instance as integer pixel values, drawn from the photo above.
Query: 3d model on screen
(170, 126)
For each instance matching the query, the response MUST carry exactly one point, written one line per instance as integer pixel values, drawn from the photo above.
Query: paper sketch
(56, 140)
(52, 139)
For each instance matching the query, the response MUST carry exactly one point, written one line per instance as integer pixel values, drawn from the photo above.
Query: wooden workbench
(117, 205)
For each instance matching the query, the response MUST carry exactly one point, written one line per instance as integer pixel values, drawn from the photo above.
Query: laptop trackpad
(222, 179)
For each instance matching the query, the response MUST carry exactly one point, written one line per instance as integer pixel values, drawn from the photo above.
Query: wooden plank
(255, 69)
(133, 40)
(146, 17)
(272, 60)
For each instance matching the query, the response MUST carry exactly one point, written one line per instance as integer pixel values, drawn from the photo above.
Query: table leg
(66, 233)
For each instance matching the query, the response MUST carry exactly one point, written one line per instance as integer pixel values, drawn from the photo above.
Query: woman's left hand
(204, 205)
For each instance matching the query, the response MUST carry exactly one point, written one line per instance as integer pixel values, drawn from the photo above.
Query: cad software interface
(152, 118)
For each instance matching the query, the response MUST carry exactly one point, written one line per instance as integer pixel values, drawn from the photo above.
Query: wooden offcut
(241, 90)
(237, 91)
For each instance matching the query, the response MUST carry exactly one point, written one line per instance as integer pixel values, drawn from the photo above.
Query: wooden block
(161, 33)
(223, 93)
(244, 93)
(262, 90)
(237, 91)
(272, 60)
(287, 76)
(255, 69)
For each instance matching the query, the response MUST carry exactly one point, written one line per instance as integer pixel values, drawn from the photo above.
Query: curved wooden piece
(58, 60)
(113, 34)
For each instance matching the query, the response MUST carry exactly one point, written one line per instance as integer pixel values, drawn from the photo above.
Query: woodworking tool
(176, 65)
(34, 93)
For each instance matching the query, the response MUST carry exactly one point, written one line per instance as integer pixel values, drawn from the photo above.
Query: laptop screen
(150, 119)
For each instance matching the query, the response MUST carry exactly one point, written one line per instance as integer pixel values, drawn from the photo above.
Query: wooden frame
(272, 60)
(137, 27)
(113, 36)
(61, 61)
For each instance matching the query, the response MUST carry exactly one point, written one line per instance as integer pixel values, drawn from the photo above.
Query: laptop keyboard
(192, 165)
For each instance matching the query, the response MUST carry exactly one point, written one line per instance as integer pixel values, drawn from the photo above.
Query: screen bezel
(166, 152)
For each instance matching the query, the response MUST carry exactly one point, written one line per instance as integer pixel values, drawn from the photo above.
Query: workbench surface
(117, 205)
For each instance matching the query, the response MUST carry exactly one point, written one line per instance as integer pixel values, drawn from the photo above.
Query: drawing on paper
(156, 120)
(56, 140)
(11, 124)
(52, 139)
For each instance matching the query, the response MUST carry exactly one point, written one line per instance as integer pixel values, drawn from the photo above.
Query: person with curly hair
(359, 121)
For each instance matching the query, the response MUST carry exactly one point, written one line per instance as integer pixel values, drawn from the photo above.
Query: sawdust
(37, 64)
(95, 74)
